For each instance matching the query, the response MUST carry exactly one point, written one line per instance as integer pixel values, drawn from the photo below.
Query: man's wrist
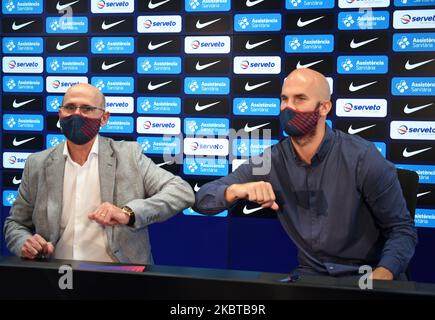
(130, 214)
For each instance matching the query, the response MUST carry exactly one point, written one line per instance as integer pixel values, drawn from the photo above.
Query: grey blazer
(127, 177)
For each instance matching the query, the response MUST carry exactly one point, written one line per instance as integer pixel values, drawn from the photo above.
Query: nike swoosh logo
(105, 66)
(152, 87)
(353, 88)
(152, 5)
(302, 24)
(60, 47)
(152, 46)
(163, 163)
(355, 45)
(423, 193)
(205, 66)
(248, 87)
(250, 129)
(250, 46)
(20, 26)
(16, 104)
(60, 7)
(19, 143)
(196, 188)
(15, 180)
(299, 65)
(250, 3)
(105, 26)
(354, 131)
(206, 106)
(408, 110)
(249, 211)
(408, 154)
(200, 25)
(411, 66)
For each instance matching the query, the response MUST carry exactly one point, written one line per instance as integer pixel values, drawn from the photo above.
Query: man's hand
(260, 192)
(382, 273)
(108, 214)
(36, 246)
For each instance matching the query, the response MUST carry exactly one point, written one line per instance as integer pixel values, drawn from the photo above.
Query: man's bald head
(311, 79)
(84, 92)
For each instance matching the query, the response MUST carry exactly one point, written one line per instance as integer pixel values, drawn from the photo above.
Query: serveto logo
(61, 84)
(198, 45)
(159, 105)
(112, 45)
(112, 6)
(363, 20)
(67, 65)
(414, 19)
(414, 42)
(372, 108)
(207, 5)
(120, 104)
(412, 130)
(257, 65)
(159, 24)
(22, 84)
(202, 146)
(413, 86)
(257, 22)
(309, 4)
(309, 43)
(362, 64)
(23, 45)
(158, 125)
(22, 7)
(23, 122)
(23, 65)
(356, 4)
(207, 85)
(15, 160)
(66, 25)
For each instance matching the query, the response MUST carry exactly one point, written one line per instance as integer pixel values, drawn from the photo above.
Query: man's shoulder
(42, 156)
(123, 147)
(354, 142)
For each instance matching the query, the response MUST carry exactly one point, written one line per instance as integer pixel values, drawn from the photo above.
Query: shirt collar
(323, 150)
(94, 149)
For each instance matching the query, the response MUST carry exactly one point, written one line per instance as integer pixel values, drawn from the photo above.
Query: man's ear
(325, 107)
(104, 118)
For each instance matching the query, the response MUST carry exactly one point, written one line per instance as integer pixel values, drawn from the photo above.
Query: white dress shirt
(81, 238)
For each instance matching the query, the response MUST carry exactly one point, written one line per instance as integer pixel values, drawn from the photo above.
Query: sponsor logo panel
(29, 45)
(160, 145)
(159, 105)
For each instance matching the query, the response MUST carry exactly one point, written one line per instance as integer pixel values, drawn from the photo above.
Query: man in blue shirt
(335, 195)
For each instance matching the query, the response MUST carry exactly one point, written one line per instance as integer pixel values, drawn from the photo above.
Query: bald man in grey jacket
(91, 198)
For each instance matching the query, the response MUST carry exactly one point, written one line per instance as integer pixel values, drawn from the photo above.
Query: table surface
(93, 280)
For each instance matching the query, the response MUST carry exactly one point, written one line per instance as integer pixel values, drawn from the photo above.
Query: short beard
(305, 139)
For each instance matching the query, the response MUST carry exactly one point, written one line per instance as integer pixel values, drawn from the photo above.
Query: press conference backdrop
(201, 67)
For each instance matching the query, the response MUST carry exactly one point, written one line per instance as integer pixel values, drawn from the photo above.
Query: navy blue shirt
(344, 210)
